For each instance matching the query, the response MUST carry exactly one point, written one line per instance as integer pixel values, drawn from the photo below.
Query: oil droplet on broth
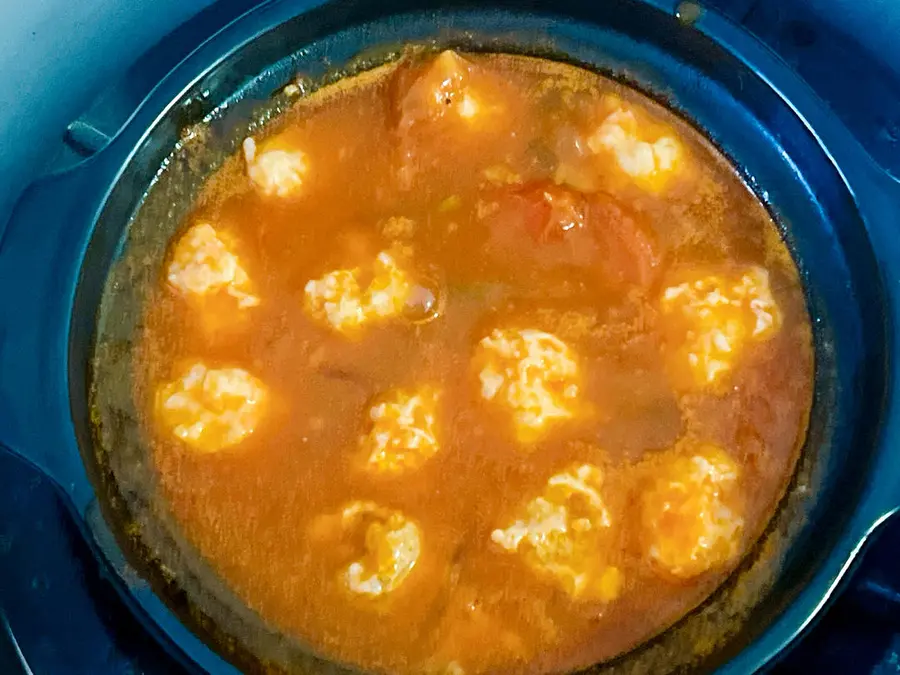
(426, 299)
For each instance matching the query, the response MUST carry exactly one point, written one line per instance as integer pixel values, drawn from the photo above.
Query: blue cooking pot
(840, 213)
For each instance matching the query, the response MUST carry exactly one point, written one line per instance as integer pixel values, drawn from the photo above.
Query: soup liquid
(470, 190)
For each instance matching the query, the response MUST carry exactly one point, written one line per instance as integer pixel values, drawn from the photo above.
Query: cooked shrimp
(563, 534)
(691, 512)
(714, 317)
(531, 372)
(212, 408)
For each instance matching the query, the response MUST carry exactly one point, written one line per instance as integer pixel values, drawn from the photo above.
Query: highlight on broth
(475, 364)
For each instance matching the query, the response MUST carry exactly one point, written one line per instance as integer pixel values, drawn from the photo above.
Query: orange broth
(516, 222)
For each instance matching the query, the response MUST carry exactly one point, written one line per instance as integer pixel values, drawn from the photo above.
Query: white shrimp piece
(691, 517)
(393, 544)
(563, 534)
(533, 373)
(717, 316)
(476, 631)
(275, 171)
(389, 289)
(212, 408)
(202, 265)
(649, 159)
(404, 431)
(338, 299)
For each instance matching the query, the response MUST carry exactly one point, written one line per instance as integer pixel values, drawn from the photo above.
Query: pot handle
(878, 196)
(41, 250)
(41, 254)
(111, 110)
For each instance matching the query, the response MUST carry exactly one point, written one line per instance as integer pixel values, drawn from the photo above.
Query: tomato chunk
(551, 225)
(441, 89)
(631, 253)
